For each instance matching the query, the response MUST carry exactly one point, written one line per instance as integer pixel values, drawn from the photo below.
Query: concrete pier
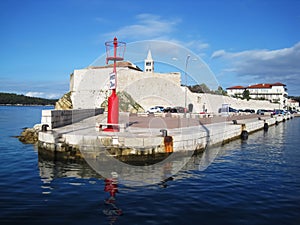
(150, 134)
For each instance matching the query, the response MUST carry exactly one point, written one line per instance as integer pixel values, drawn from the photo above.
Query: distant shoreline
(11, 99)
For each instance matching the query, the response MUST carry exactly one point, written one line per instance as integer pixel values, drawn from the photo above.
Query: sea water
(249, 182)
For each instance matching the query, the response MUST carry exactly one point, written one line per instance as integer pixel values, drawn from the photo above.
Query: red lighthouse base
(113, 112)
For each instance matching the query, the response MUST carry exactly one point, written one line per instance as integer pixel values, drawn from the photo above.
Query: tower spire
(149, 63)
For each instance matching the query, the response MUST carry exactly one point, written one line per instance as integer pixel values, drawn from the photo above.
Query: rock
(64, 102)
(126, 103)
(29, 135)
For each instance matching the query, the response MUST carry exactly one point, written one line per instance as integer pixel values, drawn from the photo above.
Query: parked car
(249, 110)
(261, 111)
(177, 109)
(155, 109)
(168, 109)
(233, 110)
(161, 108)
(279, 112)
(224, 110)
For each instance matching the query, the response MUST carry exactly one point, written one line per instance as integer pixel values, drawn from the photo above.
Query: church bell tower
(149, 63)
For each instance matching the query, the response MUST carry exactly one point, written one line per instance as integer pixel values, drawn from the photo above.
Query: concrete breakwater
(155, 135)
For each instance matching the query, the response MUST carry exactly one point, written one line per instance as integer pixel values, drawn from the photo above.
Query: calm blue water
(252, 182)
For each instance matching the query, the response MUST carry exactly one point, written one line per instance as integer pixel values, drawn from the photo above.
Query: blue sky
(242, 41)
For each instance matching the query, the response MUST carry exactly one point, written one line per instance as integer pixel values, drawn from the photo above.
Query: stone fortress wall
(89, 88)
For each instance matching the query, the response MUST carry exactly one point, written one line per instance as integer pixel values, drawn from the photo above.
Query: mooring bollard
(168, 142)
(44, 127)
(164, 132)
(244, 135)
(266, 126)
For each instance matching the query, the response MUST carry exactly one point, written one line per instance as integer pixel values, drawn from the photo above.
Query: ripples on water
(252, 182)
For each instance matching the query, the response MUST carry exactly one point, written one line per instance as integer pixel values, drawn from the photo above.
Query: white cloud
(218, 54)
(155, 27)
(43, 95)
(263, 65)
(53, 95)
(147, 26)
(197, 46)
(264, 62)
(34, 94)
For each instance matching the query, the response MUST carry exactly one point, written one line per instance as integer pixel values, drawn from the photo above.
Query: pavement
(150, 125)
(173, 122)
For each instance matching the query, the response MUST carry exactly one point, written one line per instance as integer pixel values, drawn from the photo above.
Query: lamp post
(185, 77)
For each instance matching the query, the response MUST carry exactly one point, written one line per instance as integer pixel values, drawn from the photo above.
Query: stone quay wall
(59, 118)
(183, 139)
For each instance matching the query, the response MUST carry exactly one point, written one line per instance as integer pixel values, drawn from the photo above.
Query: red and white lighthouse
(114, 52)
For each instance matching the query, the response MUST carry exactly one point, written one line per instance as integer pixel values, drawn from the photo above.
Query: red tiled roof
(257, 86)
(119, 64)
(260, 86)
(266, 85)
(236, 87)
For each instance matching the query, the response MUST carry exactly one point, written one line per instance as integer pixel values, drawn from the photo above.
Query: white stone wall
(90, 89)
(232, 92)
(293, 104)
(59, 118)
(90, 86)
(214, 102)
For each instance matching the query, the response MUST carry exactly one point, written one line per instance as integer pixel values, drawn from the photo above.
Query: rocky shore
(30, 135)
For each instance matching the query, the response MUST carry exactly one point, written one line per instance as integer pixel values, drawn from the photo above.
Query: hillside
(14, 99)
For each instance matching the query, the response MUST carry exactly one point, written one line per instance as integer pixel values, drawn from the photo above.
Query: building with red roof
(274, 92)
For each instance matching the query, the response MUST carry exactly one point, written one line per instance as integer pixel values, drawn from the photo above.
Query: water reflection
(164, 183)
(110, 203)
(52, 167)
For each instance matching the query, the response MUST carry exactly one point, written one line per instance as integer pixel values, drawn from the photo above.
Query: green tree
(220, 91)
(13, 99)
(246, 95)
(202, 88)
(296, 98)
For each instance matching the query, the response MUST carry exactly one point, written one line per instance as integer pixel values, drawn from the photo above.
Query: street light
(185, 77)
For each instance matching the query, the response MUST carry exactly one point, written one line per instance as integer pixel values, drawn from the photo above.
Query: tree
(13, 99)
(202, 88)
(220, 91)
(296, 98)
(246, 95)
